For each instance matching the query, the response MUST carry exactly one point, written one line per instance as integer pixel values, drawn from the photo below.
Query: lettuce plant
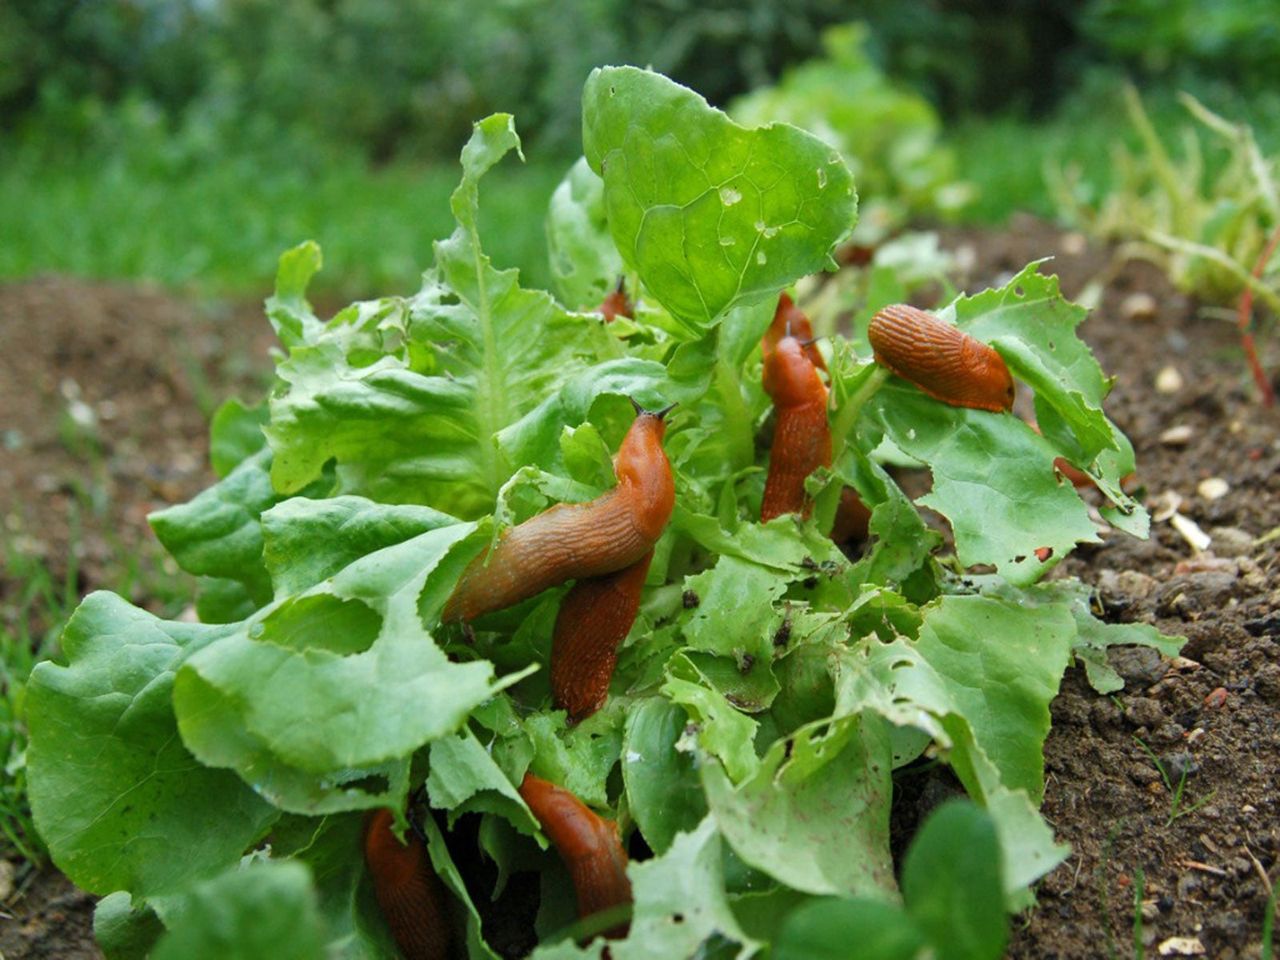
(190, 771)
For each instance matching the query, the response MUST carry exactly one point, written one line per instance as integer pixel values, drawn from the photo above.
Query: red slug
(943, 361)
(577, 540)
(595, 616)
(588, 844)
(853, 519)
(802, 437)
(409, 893)
(789, 317)
(616, 303)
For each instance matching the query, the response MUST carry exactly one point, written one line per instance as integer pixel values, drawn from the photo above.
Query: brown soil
(144, 363)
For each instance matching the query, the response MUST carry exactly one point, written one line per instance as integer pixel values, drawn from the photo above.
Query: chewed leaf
(321, 699)
(993, 478)
(113, 789)
(584, 262)
(709, 213)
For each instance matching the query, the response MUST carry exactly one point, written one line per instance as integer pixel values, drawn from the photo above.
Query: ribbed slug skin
(943, 361)
(802, 435)
(589, 846)
(575, 540)
(409, 893)
(595, 617)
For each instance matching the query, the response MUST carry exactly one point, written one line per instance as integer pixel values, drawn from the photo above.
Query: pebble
(1216, 699)
(6, 880)
(1181, 947)
(1267, 682)
(1178, 436)
(1144, 712)
(1179, 765)
(1169, 380)
(1231, 541)
(1213, 488)
(1138, 306)
(1140, 665)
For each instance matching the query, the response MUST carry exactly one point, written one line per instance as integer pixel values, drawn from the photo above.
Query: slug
(595, 616)
(943, 361)
(802, 437)
(408, 891)
(577, 540)
(790, 321)
(616, 303)
(588, 844)
(853, 519)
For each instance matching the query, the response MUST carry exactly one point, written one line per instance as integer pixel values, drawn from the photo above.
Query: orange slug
(802, 437)
(853, 519)
(588, 844)
(409, 893)
(790, 321)
(595, 616)
(577, 540)
(943, 361)
(616, 303)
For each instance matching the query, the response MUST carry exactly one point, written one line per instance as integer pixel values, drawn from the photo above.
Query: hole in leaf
(322, 622)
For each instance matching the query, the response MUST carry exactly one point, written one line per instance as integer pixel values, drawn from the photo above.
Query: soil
(1201, 850)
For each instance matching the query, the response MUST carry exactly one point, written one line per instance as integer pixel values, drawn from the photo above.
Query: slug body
(577, 540)
(409, 893)
(595, 617)
(943, 361)
(853, 519)
(789, 317)
(588, 844)
(802, 437)
(616, 304)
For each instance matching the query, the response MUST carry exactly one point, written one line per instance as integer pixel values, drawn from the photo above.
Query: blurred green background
(190, 141)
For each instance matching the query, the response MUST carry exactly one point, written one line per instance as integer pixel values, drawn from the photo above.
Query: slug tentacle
(790, 321)
(595, 617)
(588, 844)
(942, 360)
(576, 540)
(408, 892)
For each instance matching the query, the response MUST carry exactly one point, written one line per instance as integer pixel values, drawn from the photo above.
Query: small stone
(1140, 665)
(1213, 488)
(1231, 541)
(1144, 712)
(1181, 947)
(1168, 733)
(1169, 380)
(1267, 682)
(1178, 436)
(1179, 765)
(1216, 699)
(1073, 244)
(1149, 910)
(6, 880)
(1138, 306)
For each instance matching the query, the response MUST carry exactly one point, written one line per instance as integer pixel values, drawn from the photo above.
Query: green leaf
(113, 790)
(993, 478)
(826, 780)
(329, 847)
(585, 265)
(321, 718)
(721, 730)
(680, 901)
(235, 434)
(288, 310)
(306, 541)
(951, 884)
(265, 911)
(217, 534)
(407, 396)
(579, 758)
(827, 929)
(663, 792)
(1002, 664)
(710, 214)
(123, 931)
(465, 779)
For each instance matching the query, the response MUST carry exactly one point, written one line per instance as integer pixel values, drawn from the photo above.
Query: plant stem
(847, 418)
(1246, 314)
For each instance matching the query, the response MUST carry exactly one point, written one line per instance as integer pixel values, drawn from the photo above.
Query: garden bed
(102, 389)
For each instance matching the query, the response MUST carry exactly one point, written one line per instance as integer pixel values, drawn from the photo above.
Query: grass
(1007, 158)
(1176, 809)
(217, 225)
